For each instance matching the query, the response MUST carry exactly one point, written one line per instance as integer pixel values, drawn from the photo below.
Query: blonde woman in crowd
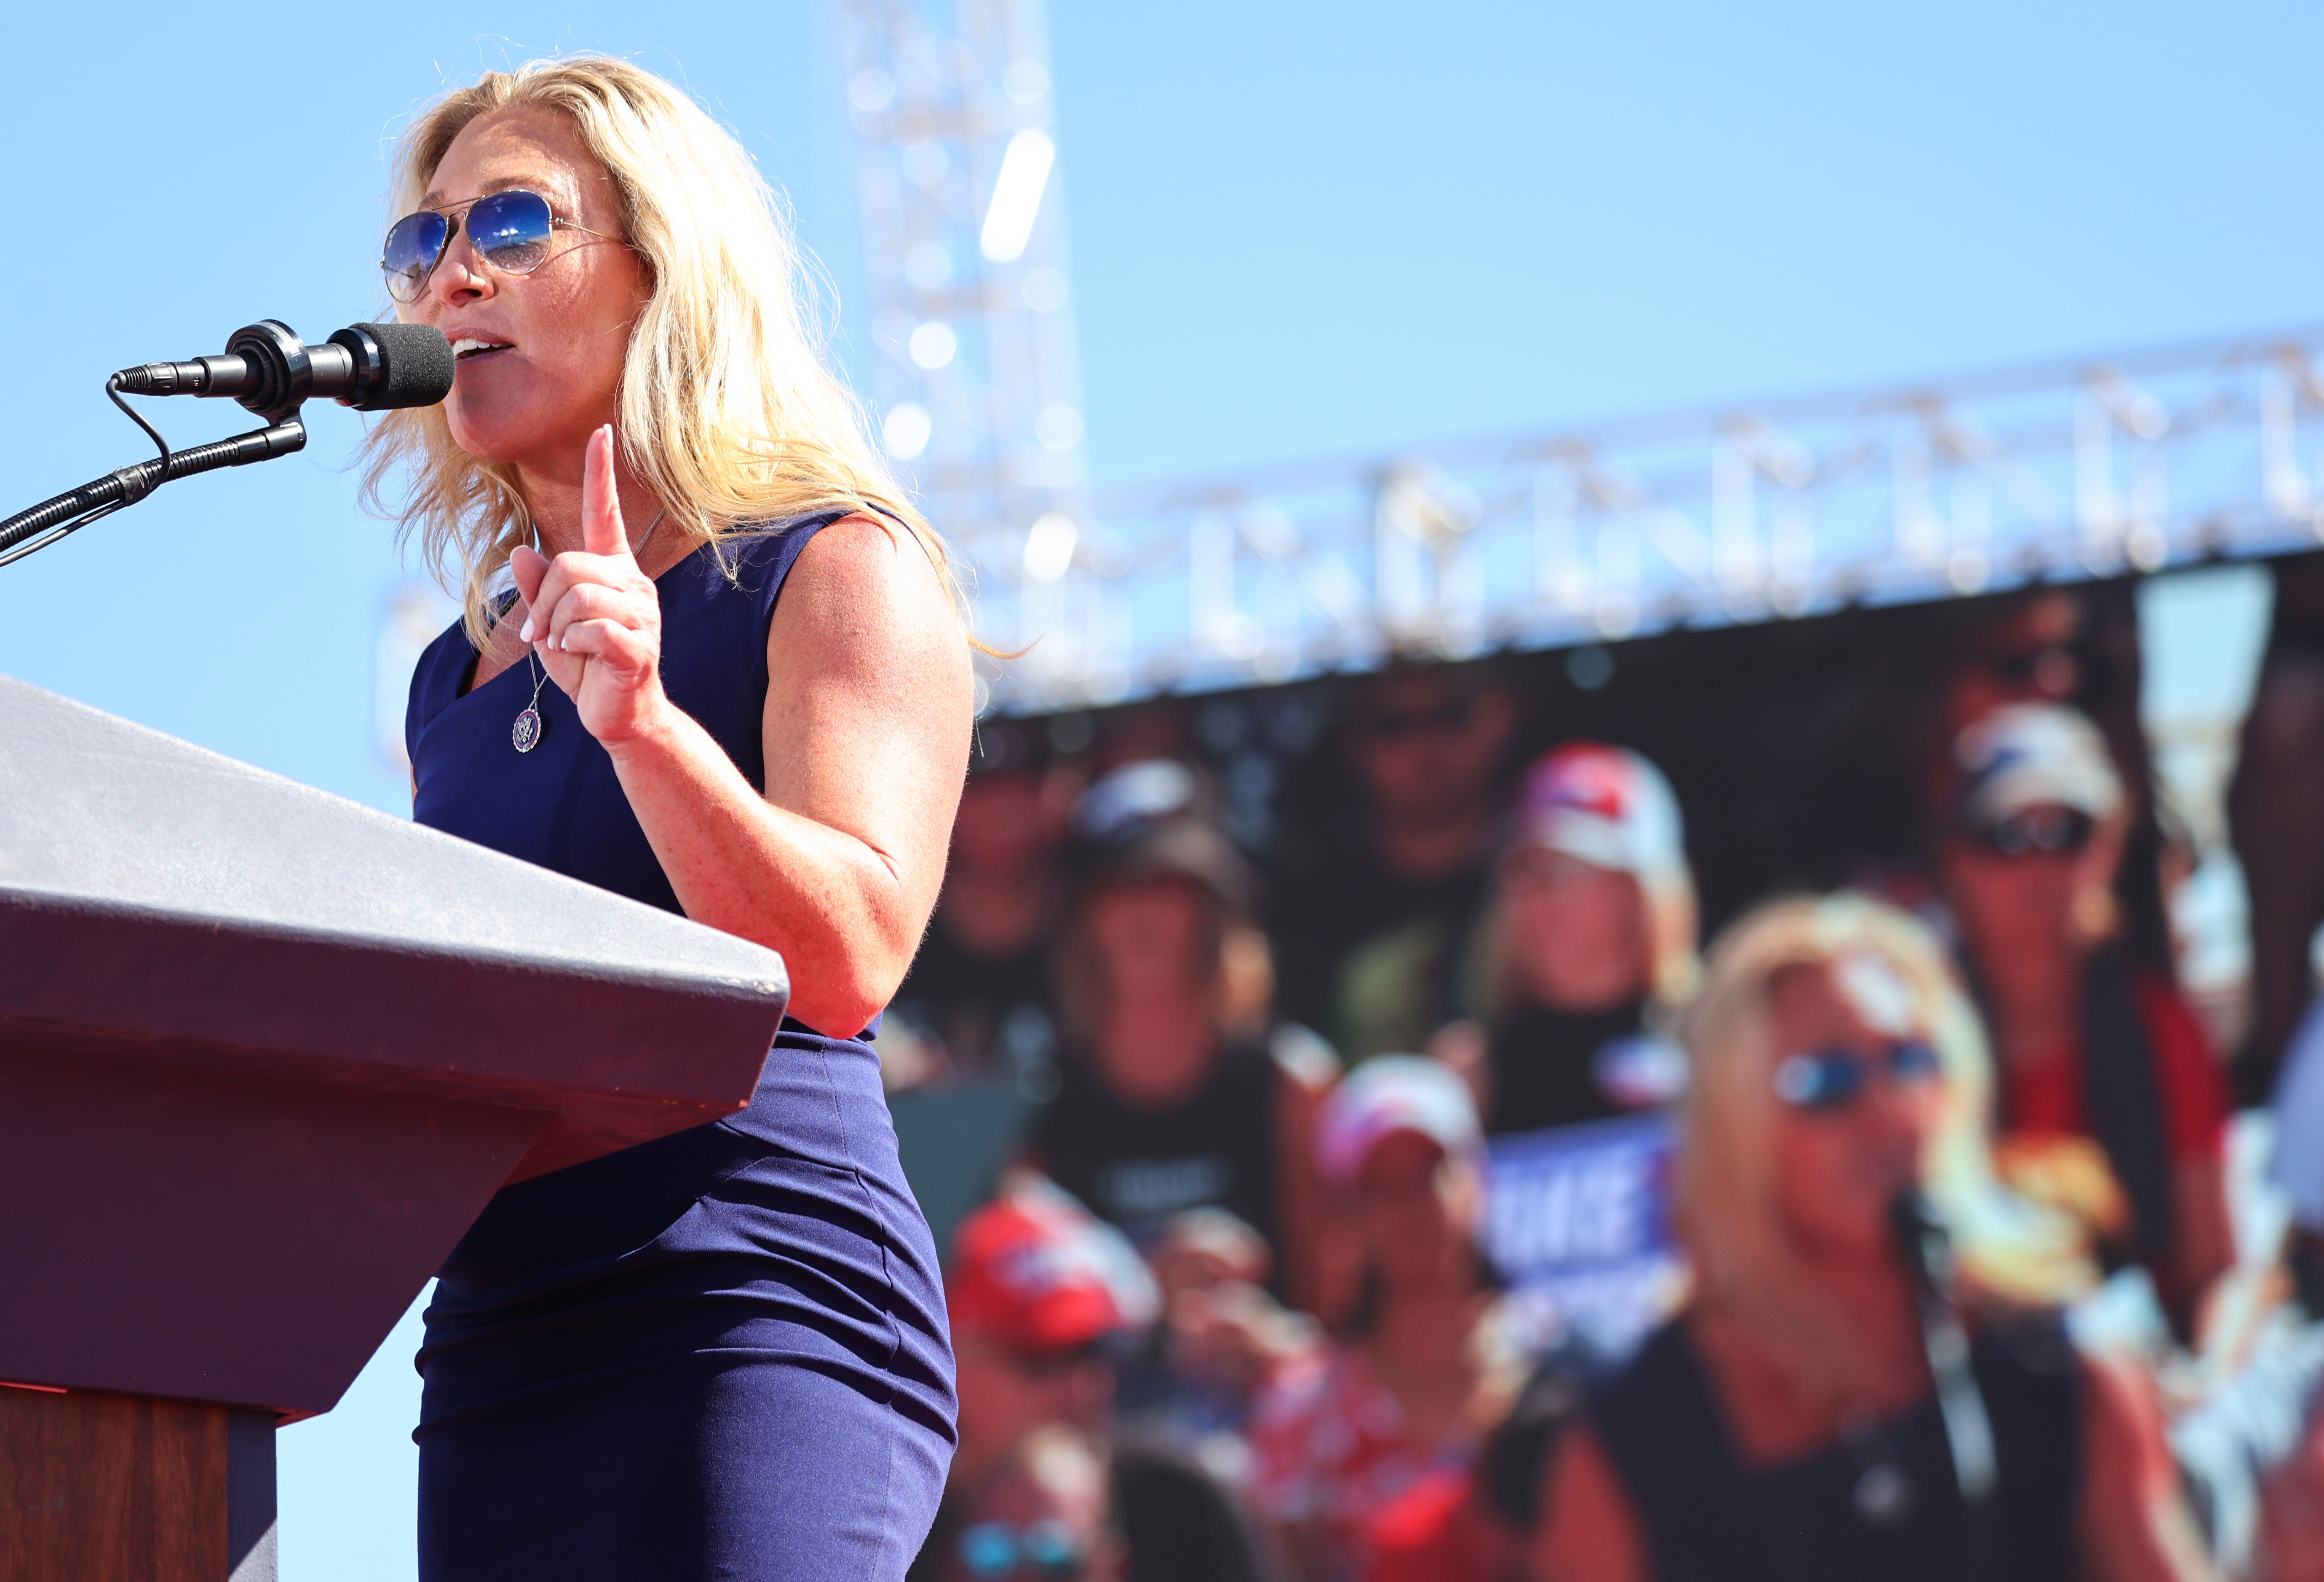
(729, 680)
(1591, 945)
(1804, 1416)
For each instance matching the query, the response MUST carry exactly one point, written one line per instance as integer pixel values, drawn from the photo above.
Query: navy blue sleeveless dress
(719, 1355)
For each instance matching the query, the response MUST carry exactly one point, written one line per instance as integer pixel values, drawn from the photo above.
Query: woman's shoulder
(859, 584)
(755, 558)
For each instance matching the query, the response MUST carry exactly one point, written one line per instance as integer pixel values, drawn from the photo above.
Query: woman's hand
(594, 617)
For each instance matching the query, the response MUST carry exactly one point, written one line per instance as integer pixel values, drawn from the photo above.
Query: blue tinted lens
(413, 248)
(1824, 1080)
(511, 230)
(989, 1548)
(1052, 1550)
(1914, 1062)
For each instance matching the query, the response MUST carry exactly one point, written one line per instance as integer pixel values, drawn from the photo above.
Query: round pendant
(527, 734)
(1884, 1496)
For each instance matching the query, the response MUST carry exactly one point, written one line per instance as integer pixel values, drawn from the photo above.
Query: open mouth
(468, 347)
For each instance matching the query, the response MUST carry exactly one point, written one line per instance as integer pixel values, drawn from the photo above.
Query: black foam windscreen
(415, 365)
(396, 366)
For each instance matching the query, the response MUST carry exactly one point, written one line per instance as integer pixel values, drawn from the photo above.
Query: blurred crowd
(1739, 1117)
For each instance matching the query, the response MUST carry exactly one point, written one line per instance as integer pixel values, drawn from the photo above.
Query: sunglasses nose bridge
(458, 265)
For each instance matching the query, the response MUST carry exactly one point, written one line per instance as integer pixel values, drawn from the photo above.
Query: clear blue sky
(1296, 228)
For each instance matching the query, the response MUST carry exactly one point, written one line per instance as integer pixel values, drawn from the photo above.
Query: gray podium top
(262, 1044)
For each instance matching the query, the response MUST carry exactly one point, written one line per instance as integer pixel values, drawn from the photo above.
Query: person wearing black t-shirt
(1172, 1095)
(1593, 941)
(978, 1002)
(1401, 864)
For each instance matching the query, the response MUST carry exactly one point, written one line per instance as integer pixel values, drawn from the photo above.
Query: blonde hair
(2008, 1250)
(1667, 929)
(728, 411)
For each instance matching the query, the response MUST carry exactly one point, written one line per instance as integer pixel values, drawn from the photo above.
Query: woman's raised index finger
(601, 531)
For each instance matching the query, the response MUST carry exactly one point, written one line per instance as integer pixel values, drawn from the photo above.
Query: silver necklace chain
(530, 727)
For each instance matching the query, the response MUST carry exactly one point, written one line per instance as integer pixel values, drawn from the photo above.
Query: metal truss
(975, 379)
(1769, 511)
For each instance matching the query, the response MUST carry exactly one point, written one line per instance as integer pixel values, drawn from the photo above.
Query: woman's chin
(490, 432)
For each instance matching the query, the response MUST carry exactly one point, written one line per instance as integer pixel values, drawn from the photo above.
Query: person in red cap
(1424, 1370)
(1041, 1292)
(1038, 1286)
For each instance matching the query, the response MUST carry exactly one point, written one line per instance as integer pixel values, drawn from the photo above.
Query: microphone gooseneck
(1926, 1251)
(371, 367)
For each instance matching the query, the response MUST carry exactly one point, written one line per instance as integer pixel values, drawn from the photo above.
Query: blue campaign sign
(1579, 1224)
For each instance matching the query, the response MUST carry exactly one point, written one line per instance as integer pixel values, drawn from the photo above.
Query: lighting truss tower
(976, 377)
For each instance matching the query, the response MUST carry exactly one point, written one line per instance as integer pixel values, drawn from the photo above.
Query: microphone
(371, 367)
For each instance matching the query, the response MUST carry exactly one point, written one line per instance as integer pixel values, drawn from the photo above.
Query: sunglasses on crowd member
(509, 230)
(1833, 1079)
(2052, 832)
(1049, 1550)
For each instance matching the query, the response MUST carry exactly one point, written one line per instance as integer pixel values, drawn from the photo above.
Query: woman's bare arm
(866, 728)
(838, 865)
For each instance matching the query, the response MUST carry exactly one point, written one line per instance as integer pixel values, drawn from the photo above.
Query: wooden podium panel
(124, 1488)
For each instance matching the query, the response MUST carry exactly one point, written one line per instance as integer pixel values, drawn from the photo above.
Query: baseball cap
(1390, 1094)
(1606, 805)
(2033, 755)
(1150, 817)
(1037, 1271)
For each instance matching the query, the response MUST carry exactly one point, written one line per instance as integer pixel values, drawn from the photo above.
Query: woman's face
(557, 336)
(1577, 933)
(1149, 935)
(2018, 907)
(1837, 1169)
(1415, 1211)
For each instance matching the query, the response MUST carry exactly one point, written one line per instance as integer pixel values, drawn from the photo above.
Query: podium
(264, 1056)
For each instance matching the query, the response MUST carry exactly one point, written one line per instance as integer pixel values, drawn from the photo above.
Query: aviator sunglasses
(509, 230)
(1833, 1079)
(2053, 832)
(1049, 1550)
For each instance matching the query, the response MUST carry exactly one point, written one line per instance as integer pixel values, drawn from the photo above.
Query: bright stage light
(1049, 546)
(932, 345)
(905, 432)
(1016, 195)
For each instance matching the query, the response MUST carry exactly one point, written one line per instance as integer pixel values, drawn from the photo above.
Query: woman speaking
(730, 679)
